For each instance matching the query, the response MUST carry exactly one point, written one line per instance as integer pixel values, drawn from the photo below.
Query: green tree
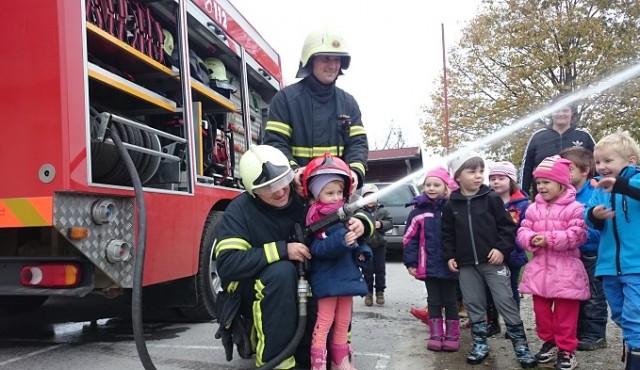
(516, 55)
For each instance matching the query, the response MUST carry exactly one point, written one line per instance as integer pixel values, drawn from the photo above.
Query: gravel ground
(601, 359)
(502, 357)
(397, 341)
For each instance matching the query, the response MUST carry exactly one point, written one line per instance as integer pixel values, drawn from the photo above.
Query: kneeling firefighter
(254, 259)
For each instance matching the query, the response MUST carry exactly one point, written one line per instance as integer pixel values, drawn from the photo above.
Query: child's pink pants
(336, 311)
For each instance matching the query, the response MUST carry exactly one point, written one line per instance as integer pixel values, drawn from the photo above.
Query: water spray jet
(605, 84)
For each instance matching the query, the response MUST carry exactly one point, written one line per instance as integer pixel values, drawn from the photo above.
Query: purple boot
(435, 338)
(451, 342)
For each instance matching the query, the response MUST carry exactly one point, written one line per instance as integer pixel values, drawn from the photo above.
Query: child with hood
(423, 257)
(554, 230)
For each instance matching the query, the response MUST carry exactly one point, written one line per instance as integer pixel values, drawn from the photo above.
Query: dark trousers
(442, 293)
(515, 275)
(592, 319)
(271, 300)
(375, 273)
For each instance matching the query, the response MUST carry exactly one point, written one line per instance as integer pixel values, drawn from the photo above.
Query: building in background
(393, 164)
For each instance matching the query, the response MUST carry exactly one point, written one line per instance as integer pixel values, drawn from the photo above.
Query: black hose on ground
(136, 295)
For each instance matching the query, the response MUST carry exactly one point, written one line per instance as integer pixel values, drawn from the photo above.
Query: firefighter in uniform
(253, 255)
(313, 116)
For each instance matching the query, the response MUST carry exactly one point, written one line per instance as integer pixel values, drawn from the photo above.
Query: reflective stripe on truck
(20, 212)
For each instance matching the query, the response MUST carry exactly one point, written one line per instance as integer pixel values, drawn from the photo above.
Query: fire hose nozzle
(303, 294)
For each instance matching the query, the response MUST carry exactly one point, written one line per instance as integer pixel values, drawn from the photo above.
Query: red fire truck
(101, 95)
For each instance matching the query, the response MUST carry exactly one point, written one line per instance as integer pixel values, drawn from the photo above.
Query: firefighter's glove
(232, 329)
(227, 342)
(236, 333)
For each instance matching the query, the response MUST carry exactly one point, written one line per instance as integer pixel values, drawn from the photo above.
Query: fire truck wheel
(20, 304)
(207, 280)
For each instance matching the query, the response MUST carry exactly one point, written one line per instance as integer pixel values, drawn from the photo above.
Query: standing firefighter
(313, 116)
(254, 258)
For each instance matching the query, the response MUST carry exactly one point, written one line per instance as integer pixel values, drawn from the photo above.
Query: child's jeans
(592, 320)
(623, 295)
(557, 321)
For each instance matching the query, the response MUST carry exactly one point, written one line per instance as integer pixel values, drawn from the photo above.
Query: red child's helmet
(326, 164)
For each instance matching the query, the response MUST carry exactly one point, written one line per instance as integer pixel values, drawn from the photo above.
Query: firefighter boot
(493, 322)
(451, 341)
(480, 349)
(341, 357)
(436, 334)
(318, 359)
(521, 346)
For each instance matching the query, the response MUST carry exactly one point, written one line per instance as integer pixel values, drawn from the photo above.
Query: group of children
(578, 230)
(462, 233)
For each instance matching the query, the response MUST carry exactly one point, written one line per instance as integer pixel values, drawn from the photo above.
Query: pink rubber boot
(341, 357)
(451, 342)
(318, 359)
(435, 337)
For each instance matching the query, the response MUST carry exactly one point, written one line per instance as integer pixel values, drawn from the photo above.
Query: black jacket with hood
(547, 142)
(472, 226)
(308, 119)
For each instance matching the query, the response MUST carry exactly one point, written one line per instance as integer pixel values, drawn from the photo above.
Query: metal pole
(446, 94)
(244, 95)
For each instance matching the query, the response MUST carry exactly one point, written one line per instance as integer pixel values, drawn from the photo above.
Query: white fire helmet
(323, 42)
(264, 169)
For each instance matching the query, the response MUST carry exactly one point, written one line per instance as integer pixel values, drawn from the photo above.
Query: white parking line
(381, 364)
(34, 353)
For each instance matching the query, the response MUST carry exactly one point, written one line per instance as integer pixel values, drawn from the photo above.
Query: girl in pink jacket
(554, 230)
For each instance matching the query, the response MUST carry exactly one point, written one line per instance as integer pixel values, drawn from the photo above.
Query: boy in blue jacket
(592, 319)
(614, 209)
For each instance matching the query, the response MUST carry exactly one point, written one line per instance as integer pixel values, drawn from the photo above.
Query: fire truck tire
(207, 280)
(20, 303)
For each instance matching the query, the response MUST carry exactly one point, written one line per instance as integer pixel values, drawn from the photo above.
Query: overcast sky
(395, 47)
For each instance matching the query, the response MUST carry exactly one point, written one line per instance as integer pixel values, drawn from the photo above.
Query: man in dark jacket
(562, 133)
(313, 116)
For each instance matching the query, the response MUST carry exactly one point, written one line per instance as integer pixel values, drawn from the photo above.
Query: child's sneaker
(547, 353)
(368, 299)
(566, 360)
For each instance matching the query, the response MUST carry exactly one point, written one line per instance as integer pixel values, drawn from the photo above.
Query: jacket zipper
(473, 240)
(546, 254)
(615, 234)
